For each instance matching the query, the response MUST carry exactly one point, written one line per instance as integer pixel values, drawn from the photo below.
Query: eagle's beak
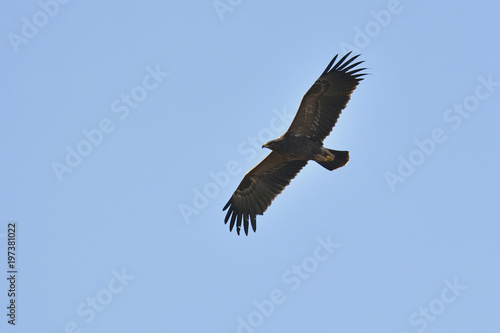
(265, 145)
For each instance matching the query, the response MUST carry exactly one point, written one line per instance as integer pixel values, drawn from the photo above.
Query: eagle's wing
(258, 189)
(324, 101)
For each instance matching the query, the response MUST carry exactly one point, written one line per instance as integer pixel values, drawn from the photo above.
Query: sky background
(128, 236)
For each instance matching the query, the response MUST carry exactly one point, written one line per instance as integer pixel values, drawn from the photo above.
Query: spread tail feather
(341, 159)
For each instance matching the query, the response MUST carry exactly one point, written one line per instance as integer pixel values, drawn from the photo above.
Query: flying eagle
(303, 141)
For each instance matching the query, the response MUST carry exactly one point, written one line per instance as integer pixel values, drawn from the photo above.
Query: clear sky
(128, 125)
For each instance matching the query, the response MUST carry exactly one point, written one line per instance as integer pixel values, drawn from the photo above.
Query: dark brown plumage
(303, 141)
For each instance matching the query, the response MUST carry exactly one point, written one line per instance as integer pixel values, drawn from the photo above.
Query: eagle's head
(271, 144)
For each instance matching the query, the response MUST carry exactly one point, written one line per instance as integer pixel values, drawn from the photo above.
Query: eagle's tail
(341, 159)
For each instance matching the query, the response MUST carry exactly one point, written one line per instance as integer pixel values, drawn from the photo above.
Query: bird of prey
(303, 141)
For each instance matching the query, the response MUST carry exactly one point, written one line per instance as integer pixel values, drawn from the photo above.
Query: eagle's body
(298, 147)
(295, 147)
(303, 141)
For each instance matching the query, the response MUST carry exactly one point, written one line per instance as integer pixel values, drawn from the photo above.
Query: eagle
(303, 141)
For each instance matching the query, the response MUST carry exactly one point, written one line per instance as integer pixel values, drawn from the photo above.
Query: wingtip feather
(245, 224)
(344, 65)
(254, 222)
(330, 65)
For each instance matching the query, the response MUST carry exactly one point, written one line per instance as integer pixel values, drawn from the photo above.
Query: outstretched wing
(324, 101)
(258, 189)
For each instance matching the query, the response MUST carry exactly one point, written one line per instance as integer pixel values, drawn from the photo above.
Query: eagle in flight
(303, 141)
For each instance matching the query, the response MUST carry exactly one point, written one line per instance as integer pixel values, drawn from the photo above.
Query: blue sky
(127, 127)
